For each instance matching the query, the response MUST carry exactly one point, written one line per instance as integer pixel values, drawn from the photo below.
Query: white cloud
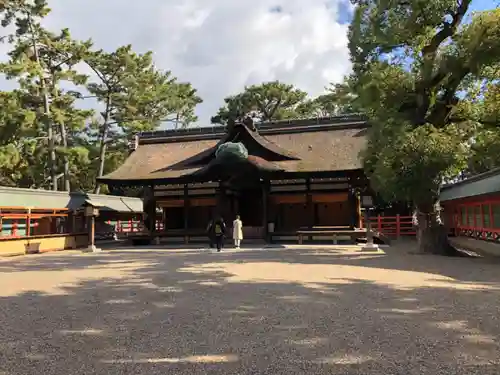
(220, 45)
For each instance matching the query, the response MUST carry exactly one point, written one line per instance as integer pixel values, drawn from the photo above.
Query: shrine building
(278, 176)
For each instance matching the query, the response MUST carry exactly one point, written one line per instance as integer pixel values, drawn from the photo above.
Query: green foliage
(485, 151)
(136, 97)
(419, 160)
(419, 73)
(183, 100)
(279, 101)
(490, 106)
(44, 135)
(339, 100)
(267, 101)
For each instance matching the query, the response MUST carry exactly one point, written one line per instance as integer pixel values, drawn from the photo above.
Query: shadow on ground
(262, 312)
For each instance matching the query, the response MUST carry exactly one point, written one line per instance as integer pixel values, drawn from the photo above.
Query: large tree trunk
(432, 234)
(64, 136)
(103, 144)
(46, 111)
(64, 140)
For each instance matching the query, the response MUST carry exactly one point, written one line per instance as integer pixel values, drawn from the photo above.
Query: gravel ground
(273, 311)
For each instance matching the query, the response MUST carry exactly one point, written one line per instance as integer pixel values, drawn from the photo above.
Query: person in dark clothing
(210, 233)
(219, 230)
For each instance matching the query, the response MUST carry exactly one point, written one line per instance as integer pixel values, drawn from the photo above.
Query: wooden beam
(329, 197)
(288, 198)
(171, 203)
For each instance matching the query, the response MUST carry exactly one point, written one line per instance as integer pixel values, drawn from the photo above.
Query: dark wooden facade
(294, 177)
(282, 206)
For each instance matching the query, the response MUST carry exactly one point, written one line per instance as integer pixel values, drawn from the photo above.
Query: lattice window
(470, 224)
(479, 221)
(463, 216)
(496, 215)
(486, 216)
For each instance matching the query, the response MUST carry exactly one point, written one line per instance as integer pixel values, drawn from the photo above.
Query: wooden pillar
(72, 222)
(28, 223)
(164, 218)
(152, 212)
(265, 209)
(221, 200)
(92, 231)
(236, 203)
(186, 213)
(149, 209)
(359, 217)
(355, 205)
(309, 204)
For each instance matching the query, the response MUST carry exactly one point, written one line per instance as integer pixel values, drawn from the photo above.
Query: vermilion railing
(24, 222)
(392, 226)
(478, 219)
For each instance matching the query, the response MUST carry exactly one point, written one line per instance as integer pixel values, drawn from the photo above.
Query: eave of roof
(480, 184)
(47, 199)
(471, 179)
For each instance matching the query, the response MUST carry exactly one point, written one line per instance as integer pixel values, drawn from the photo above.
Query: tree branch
(430, 50)
(275, 107)
(429, 82)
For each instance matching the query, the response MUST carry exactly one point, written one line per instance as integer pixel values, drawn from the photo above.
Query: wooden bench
(321, 228)
(354, 234)
(143, 238)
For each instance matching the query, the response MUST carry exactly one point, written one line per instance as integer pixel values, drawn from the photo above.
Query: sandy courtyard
(293, 311)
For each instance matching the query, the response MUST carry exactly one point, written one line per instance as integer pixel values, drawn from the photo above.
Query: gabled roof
(241, 133)
(217, 169)
(314, 145)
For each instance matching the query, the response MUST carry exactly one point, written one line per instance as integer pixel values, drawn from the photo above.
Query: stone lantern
(367, 204)
(91, 211)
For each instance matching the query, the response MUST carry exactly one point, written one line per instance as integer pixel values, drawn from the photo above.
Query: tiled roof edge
(471, 179)
(52, 193)
(272, 127)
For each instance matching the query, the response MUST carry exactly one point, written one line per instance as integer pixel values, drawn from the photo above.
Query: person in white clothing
(237, 231)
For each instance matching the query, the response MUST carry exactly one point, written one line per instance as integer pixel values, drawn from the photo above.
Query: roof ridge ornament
(231, 151)
(250, 124)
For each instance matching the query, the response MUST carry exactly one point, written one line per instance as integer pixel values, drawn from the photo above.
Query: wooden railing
(18, 222)
(476, 219)
(132, 226)
(393, 226)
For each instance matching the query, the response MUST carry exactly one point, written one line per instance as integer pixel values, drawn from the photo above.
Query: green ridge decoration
(231, 151)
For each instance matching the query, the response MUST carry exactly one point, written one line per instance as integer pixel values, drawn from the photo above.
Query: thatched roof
(316, 145)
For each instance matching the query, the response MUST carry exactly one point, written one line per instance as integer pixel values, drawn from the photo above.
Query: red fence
(393, 226)
(477, 219)
(390, 226)
(23, 222)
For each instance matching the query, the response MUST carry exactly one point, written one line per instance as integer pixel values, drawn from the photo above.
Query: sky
(219, 46)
